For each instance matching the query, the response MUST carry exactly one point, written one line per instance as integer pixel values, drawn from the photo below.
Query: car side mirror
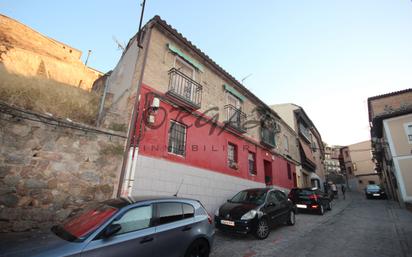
(111, 230)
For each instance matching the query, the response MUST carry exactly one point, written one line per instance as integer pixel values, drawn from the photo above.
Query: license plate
(304, 206)
(376, 194)
(228, 222)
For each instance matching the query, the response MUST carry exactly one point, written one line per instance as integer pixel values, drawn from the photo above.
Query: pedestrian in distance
(343, 189)
(334, 190)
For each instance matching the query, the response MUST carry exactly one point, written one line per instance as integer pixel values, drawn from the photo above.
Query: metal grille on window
(177, 138)
(251, 158)
(231, 155)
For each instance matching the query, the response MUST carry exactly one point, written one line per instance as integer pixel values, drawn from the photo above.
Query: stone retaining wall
(48, 170)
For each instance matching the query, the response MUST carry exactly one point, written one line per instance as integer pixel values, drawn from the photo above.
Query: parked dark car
(310, 199)
(255, 211)
(145, 226)
(374, 191)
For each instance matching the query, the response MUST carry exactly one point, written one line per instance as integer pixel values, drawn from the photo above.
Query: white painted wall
(161, 177)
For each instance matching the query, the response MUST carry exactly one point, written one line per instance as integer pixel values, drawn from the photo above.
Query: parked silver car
(133, 226)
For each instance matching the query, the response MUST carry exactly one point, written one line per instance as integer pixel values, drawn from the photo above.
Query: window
(304, 131)
(184, 67)
(188, 211)
(289, 172)
(268, 136)
(169, 212)
(286, 143)
(234, 101)
(360, 181)
(88, 220)
(189, 88)
(232, 155)
(408, 130)
(272, 198)
(233, 110)
(354, 167)
(371, 182)
(177, 138)
(135, 219)
(252, 163)
(280, 196)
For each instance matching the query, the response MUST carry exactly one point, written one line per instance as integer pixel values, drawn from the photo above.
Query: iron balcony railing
(235, 118)
(184, 88)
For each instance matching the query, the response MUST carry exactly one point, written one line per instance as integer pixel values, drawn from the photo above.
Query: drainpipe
(134, 117)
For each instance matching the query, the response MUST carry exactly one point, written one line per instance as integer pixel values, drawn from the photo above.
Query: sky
(327, 56)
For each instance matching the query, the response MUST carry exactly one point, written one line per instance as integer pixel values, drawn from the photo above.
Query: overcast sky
(326, 56)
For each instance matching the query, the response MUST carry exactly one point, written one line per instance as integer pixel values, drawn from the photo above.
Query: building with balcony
(333, 164)
(310, 172)
(194, 128)
(390, 118)
(359, 166)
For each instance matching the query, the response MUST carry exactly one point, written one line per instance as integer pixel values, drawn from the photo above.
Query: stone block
(4, 171)
(35, 183)
(9, 200)
(18, 158)
(52, 183)
(11, 180)
(21, 226)
(21, 130)
(90, 176)
(24, 201)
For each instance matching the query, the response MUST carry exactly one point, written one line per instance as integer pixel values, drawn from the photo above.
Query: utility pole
(135, 110)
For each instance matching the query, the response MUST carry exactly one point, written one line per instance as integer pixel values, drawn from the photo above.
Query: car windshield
(84, 222)
(250, 196)
(373, 187)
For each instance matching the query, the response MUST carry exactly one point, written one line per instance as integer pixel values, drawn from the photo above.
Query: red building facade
(198, 131)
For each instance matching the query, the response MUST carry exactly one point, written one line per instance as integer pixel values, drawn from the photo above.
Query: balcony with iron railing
(184, 89)
(235, 118)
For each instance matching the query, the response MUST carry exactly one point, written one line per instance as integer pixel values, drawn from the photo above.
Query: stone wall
(50, 167)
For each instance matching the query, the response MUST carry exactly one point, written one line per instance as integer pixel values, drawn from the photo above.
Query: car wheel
(329, 208)
(321, 210)
(292, 219)
(262, 229)
(199, 248)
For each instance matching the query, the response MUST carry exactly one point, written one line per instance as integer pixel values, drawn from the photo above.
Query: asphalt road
(355, 227)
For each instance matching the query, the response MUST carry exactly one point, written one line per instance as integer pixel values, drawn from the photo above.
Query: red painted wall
(203, 149)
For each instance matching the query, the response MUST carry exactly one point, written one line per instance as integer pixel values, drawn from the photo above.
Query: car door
(174, 229)
(135, 238)
(283, 205)
(272, 207)
(323, 198)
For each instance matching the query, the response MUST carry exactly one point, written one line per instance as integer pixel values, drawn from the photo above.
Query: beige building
(310, 172)
(390, 116)
(27, 52)
(360, 166)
